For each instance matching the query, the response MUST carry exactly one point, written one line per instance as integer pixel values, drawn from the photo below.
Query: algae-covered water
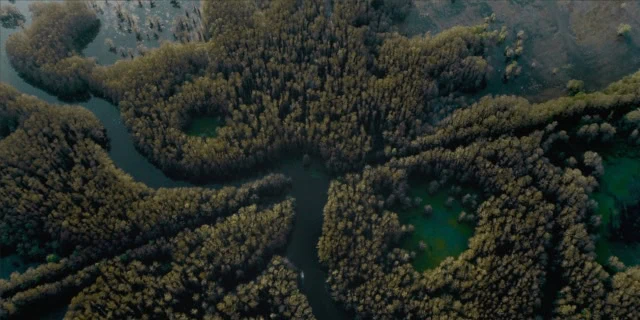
(618, 187)
(441, 232)
(616, 191)
(204, 127)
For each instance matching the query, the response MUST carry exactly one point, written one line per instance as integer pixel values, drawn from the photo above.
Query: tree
(624, 29)
(575, 86)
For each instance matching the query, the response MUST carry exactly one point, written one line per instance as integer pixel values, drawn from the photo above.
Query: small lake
(437, 235)
(618, 188)
(205, 127)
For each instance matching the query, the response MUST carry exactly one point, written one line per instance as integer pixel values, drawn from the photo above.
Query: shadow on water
(310, 185)
(13, 263)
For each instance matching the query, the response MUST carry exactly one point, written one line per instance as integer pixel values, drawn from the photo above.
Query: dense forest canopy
(10, 16)
(64, 198)
(328, 78)
(288, 77)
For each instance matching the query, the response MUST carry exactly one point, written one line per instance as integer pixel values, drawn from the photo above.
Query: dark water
(310, 184)
(12, 263)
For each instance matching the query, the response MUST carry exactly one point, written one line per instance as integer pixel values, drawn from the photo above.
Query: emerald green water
(614, 192)
(13, 263)
(621, 163)
(204, 126)
(441, 232)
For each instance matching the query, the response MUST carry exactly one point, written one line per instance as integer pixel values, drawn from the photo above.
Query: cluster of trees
(47, 52)
(200, 273)
(273, 294)
(632, 124)
(502, 272)
(62, 195)
(188, 27)
(624, 29)
(42, 141)
(189, 274)
(601, 132)
(512, 53)
(326, 93)
(127, 21)
(10, 16)
(289, 75)
(534, 231)
(185, 28)
(508, 115)
(575, 86)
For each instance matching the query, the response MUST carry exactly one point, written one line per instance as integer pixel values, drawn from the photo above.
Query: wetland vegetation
(384, 159)
(442, 221)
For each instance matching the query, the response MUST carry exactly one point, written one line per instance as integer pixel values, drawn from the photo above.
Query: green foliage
(53, 258)
(47, 52)
(533, 226)
(633, 117)
(10, 16)
(294, 75)
(61, 193)
(273, 293)
(204, 264)
(575, 86)
(493, 117)
(624, 29)
(515, 250)
(328, 88)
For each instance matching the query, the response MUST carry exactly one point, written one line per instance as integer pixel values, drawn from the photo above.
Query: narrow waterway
(543, 54)
(310, 184)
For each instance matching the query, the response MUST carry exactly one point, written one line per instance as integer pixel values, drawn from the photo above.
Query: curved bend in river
(98, 193)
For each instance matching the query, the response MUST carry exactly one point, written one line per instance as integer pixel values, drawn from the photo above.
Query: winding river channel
(310, 184)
